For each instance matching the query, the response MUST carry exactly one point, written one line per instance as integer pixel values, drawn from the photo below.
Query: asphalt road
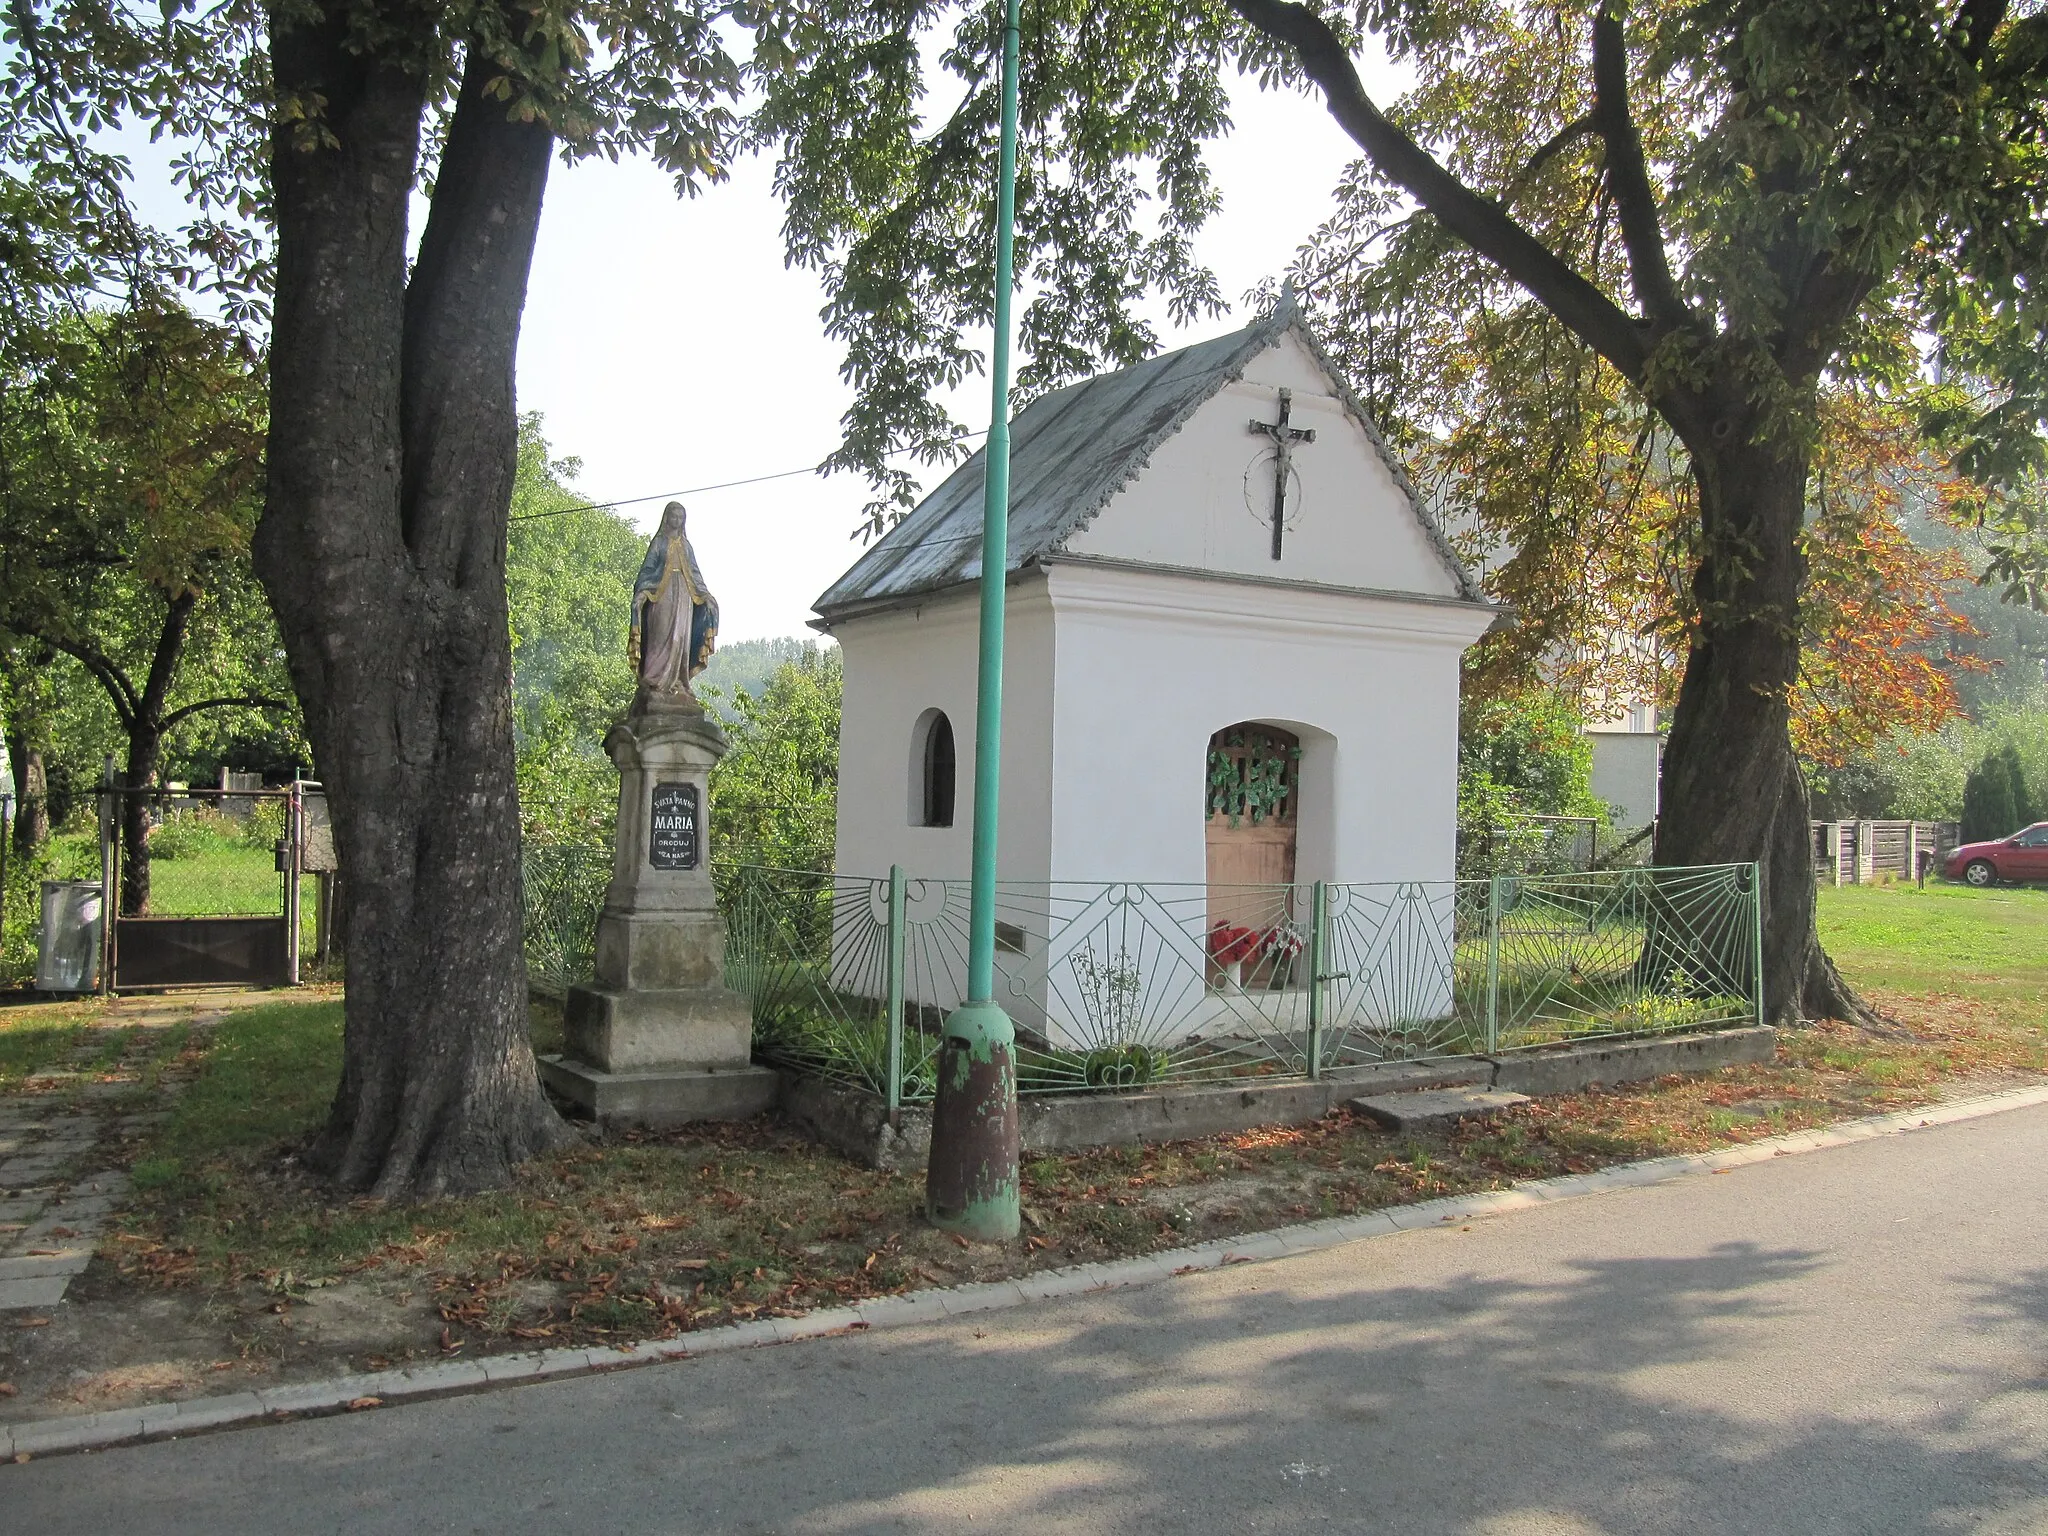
(1853, 1340)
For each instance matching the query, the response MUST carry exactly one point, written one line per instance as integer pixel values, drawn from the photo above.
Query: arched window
(932, 769)
(1251, 811)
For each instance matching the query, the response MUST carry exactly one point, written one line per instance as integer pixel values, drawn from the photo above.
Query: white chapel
(1234, 634)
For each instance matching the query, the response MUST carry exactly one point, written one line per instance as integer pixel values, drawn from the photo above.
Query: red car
(2023, 856)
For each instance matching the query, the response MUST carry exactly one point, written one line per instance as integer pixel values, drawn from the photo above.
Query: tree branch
(111, 677)
(1558, 142)
(1628, 177)
(170, 645)
(1976, 22)
(1477, 220)
(249, 701)
(1827, 297)
(462, 307)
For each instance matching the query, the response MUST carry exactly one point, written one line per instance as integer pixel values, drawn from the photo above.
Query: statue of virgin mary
(675, 620)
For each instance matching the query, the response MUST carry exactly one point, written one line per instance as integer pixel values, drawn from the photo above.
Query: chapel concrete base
(659, 1099)
(657, 1038)
(856, 1122)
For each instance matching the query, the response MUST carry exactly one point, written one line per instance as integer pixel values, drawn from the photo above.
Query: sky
(668, 347)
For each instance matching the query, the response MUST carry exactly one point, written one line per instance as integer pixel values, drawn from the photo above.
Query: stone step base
(1435, 1107)
(662, 1096)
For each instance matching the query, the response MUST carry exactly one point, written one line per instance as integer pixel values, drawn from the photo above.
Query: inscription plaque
(672, 827)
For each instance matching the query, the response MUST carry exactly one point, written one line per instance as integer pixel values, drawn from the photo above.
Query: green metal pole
(1318, 953)
(1492, 964)
(971, 1179)
(895, 1026)
(1756, 913)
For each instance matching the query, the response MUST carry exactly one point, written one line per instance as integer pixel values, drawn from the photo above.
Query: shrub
(263, 827)
(1995, 798)
(188, 833)
(1529, 747)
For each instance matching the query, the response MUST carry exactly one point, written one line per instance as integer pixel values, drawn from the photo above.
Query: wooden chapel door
(1254, 783)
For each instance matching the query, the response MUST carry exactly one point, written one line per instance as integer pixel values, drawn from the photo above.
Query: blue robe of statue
(675, 620)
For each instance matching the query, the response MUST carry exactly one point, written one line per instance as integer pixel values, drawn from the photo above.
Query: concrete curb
(413, 1384)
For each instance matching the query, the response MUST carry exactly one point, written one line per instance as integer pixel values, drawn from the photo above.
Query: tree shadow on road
(1620, 1395)
(1424, 1385)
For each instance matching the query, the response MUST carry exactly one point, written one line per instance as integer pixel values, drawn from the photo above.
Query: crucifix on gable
(1284, 438)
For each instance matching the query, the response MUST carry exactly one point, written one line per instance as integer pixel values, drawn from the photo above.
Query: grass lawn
(1950, 939)
(632, 1236)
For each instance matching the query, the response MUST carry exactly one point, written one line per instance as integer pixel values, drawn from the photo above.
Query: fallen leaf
(449, 1342)
(62, 1232)
(44, 1253)
(21, 1458)
(690, 1263)
(9, 1389)
(358, 1404)
(32, 1322)
(958, 1239)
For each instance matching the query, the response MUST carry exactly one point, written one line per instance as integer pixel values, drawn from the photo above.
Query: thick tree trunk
(31, 792)
(392, 450)
(145, 723)
(145, 747)
(24, 687)
(1732, 789)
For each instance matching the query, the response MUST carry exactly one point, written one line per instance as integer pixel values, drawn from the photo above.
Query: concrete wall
(1625, 765)
(1163, 621)
(900, 664)
(1151, 665)
(1204, 500)
(1108, 720)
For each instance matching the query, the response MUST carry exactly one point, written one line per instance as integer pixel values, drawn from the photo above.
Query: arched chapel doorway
(1253, 812)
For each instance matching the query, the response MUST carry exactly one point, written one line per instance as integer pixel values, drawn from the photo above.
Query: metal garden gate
(215, 897)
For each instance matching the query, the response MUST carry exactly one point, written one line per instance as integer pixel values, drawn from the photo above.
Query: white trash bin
(69, 958)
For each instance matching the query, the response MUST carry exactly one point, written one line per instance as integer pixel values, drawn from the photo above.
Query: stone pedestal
(657, 1038)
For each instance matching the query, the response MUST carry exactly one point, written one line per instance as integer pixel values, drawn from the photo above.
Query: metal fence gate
(206, 887)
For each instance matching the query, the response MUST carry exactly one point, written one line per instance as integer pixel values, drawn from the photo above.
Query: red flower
(1229, 944)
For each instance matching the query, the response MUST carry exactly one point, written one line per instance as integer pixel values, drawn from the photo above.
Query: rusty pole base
(971, 1180)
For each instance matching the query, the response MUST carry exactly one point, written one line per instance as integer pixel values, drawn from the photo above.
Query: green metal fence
(1121, 985)
(564, 887)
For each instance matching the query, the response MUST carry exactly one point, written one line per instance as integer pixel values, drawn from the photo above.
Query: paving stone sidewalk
(62, 1151)
(55, 1191)
(66, 1138)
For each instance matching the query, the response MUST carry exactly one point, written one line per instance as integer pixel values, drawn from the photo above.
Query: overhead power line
(699, 490)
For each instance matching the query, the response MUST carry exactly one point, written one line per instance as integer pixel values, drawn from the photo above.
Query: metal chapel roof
(1070, 452)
